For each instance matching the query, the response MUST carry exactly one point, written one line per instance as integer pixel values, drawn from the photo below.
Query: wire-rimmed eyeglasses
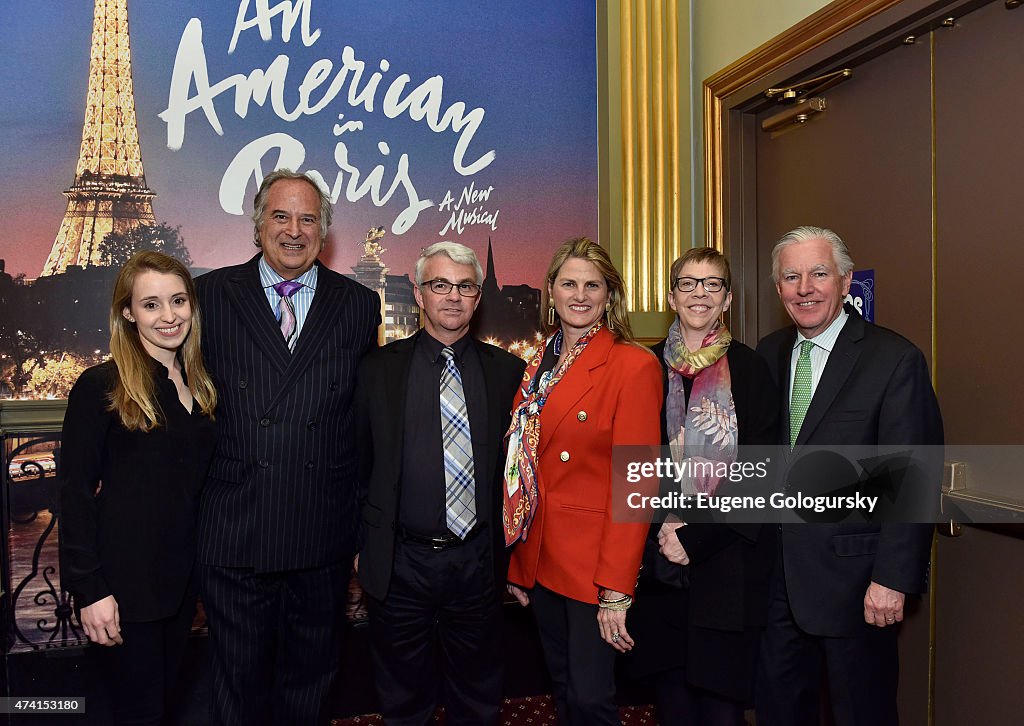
(443, 287)
(689, 284)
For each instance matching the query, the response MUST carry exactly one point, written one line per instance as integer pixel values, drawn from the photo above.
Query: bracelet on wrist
(619, 603)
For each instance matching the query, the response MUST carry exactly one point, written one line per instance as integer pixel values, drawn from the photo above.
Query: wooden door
(861, 168)
(918, 163)
(979, 374)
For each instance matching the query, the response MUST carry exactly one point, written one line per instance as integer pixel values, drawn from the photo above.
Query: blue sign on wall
(862, 294)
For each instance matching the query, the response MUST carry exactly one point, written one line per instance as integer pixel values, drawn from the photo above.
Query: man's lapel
(841, 362)
(323, 317)
(395, 362)
(495, 416)
(785, 359)
(250, 301)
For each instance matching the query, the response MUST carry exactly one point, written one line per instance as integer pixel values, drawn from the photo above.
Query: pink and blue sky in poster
(524, 73)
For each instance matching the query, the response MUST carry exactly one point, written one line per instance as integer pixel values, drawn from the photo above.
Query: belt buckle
(437, 544)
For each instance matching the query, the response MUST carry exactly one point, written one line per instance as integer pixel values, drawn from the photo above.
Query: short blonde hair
(696, 255)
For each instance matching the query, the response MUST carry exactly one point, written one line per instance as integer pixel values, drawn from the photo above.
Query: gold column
(653, 89)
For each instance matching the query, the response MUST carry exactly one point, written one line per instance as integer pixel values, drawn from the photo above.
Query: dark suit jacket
(730, 563)
(380, 398)
(712, 625)
(875, 389)
(281, 493)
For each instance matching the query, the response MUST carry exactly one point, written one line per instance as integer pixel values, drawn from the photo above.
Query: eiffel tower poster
(218, 92)
(109, 193)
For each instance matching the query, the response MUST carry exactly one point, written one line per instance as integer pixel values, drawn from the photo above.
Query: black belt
(443, 542)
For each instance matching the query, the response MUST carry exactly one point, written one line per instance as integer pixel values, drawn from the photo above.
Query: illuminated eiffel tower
(109, 193)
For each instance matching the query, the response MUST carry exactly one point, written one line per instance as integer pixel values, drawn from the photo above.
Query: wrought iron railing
(37, 611)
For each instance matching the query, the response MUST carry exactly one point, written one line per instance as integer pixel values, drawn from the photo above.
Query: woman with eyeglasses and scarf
(703, 591)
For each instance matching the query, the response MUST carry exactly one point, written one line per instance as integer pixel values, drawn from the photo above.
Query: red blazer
(611, 395)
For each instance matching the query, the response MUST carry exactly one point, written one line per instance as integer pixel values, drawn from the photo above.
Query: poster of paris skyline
(426, 121)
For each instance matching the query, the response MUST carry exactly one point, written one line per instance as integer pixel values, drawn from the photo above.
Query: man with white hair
(839, 589)
(434, 409)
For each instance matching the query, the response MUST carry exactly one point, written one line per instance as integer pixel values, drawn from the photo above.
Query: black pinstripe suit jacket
(281, 492)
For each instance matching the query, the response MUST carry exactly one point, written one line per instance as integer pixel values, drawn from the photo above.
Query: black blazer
(875, 389)
(281, 494)
(136, 539)
(709, 622)
(381, 404)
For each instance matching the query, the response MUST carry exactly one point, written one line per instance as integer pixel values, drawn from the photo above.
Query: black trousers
(581, 664)
(436, 637)
(681, 704)
(863, 671)
(141, 675)
(275, 641)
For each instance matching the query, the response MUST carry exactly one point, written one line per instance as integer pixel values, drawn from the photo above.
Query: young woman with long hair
(138, 436)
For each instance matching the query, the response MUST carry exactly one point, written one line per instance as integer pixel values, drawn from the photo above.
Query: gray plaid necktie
(460, 491)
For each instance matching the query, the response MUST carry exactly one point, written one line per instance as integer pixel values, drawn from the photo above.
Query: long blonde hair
(617, 315)
(134, 396)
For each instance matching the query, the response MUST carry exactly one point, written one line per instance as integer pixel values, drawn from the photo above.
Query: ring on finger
(615, 637)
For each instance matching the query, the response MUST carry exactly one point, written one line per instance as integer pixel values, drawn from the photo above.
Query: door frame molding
(844, 33)
(823, 26)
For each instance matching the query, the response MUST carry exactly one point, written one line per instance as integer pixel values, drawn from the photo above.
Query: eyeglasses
(689, 284)
(443, 287)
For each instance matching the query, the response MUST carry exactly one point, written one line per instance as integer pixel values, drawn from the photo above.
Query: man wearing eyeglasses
(434, 409)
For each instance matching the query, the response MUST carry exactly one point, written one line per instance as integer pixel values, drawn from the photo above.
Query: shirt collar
(160, 371)
(433, 346)
(269, 276)
(826, 339)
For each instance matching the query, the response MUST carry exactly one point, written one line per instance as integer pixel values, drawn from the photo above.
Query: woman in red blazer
(590, 388)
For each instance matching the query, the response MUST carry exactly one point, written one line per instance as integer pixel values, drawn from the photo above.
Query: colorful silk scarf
(706, 430)
(523, 438)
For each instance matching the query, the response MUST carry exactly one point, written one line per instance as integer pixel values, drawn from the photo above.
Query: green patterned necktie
(801, 391)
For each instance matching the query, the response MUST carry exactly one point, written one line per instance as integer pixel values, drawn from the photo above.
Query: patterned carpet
(533, 710)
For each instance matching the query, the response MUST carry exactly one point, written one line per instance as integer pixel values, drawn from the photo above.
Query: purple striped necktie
(286, 311)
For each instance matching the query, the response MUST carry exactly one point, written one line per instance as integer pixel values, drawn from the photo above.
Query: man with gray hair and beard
(839, 590)
(435, 408)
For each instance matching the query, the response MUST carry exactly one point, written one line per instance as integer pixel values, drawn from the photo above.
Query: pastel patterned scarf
(706, 430)
(523, 437)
